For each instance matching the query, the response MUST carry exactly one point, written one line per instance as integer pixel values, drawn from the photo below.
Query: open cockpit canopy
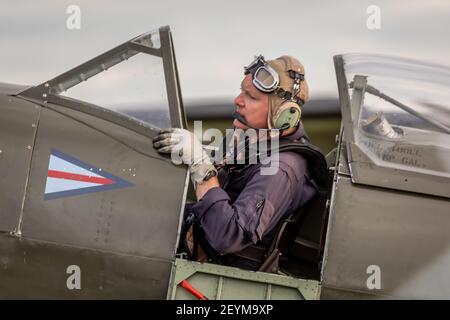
(397, 112)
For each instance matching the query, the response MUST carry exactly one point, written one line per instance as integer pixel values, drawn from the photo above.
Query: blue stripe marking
(119, 182)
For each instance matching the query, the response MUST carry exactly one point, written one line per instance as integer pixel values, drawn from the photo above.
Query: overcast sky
(214, 39)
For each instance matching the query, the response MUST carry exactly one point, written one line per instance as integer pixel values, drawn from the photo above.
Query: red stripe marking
(78, 177)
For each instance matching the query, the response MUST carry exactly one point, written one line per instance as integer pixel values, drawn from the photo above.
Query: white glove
(186, 148)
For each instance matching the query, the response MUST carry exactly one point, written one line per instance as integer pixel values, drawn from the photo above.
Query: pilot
(238, 208)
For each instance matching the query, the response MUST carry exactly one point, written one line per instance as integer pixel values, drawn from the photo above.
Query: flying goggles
(267, 80)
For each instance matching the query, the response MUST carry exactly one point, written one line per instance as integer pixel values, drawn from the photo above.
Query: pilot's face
(252, 104)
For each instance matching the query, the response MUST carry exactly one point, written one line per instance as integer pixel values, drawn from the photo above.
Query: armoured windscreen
(126, 81)
(400, 110)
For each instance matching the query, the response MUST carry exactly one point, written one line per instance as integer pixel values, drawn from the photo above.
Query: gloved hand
(186, 148)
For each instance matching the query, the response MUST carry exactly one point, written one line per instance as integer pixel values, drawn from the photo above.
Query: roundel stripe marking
(77, 177)
(69, 176)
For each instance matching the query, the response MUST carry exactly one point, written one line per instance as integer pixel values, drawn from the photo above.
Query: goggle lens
(264, 77)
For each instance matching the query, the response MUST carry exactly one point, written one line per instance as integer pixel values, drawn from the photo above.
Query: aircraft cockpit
(83, 187)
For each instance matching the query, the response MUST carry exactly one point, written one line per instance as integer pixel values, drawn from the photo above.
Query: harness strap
(268, 256)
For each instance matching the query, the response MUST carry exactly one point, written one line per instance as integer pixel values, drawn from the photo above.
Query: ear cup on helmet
(287, 116)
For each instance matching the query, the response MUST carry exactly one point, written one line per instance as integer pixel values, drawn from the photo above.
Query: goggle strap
(296, 76)
(286, 95)
(254, 65)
